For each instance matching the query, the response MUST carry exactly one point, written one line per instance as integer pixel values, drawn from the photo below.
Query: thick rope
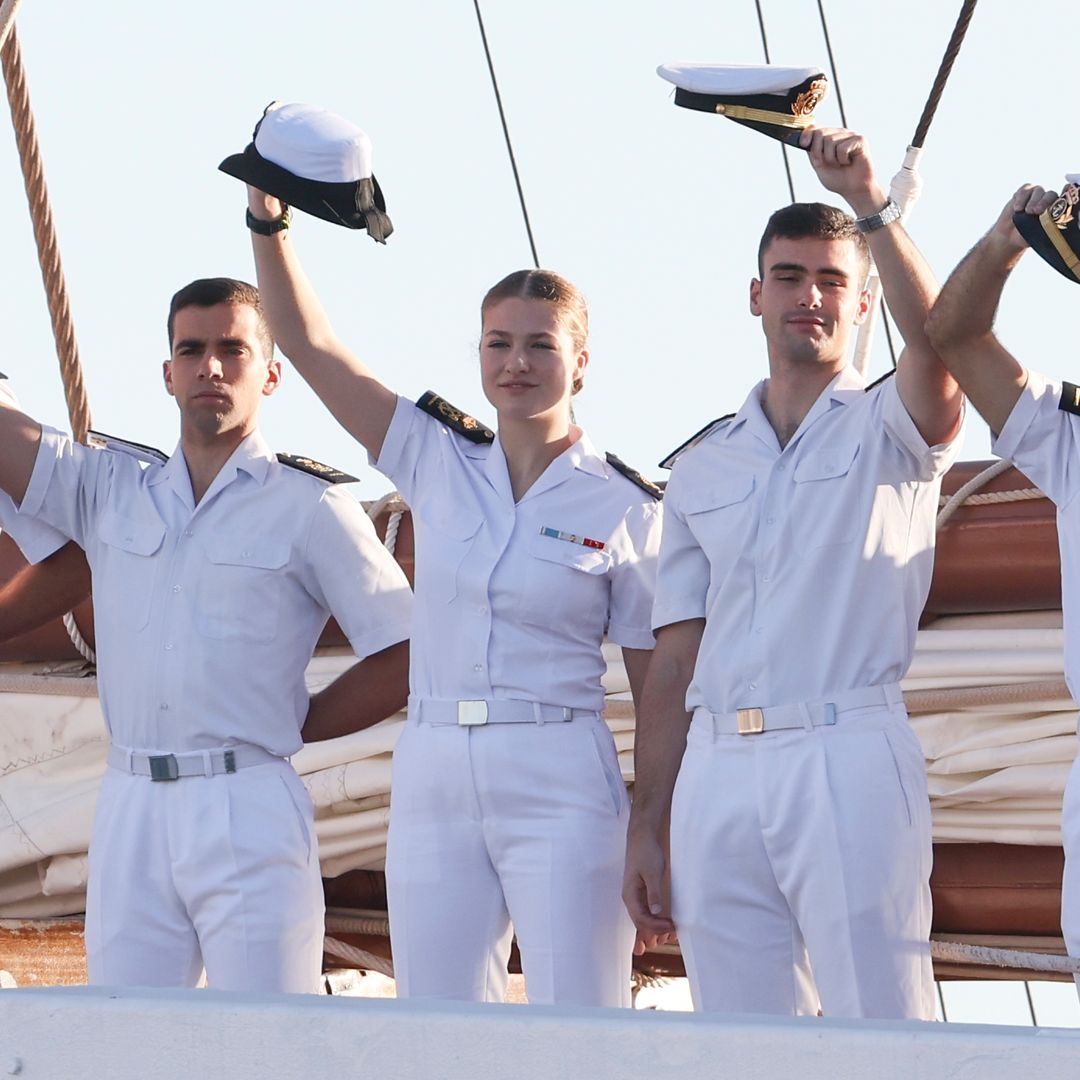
(373, 923)
(45, 235)
(8, 10)
(978, 697)
(987, 498)
(956, 501)
(952, 50)
(358, 958)
(958, 952)
(80, 643)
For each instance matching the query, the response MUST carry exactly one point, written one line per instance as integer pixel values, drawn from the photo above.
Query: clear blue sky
(655, 211)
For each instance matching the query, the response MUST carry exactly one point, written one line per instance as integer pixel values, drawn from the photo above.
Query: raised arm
(929, 392)
(961, 325)
(302, 330)
(659, 744)
(40, 593)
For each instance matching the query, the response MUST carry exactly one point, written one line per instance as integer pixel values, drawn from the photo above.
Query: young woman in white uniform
(508, 806)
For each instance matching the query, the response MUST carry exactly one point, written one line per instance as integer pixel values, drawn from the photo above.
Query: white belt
(493, 711)
(216, 762)
(806, 714)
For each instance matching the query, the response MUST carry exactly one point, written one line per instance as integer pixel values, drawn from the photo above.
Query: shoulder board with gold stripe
(877, 382)
(149, 455)
(454, 418)
(634, 476)
(316, 468)
(692, 441)
(1070, 398)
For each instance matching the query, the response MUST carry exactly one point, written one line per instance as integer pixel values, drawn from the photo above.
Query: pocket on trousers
(303, 810)
(903, 779)
(608, 759)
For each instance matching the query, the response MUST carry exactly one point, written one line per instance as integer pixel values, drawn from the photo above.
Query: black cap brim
(1035, 229)
(336, 203)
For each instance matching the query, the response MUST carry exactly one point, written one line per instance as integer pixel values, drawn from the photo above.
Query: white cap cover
(314, 143)
(735, 79)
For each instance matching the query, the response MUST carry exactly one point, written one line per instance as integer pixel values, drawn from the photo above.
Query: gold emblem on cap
(1061, 212)
(809, 100)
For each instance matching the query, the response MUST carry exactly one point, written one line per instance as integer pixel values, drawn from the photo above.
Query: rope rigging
(765, 47)
(52, 270)
(506, 135)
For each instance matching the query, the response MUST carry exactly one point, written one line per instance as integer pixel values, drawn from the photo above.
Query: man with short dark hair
(214, 571)
(1035, 422)
(796, 558)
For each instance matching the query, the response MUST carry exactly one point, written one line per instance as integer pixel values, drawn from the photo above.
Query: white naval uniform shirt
(503, 611)
(809, 564)
(1043, 441)
(206, 616)
(36, 540)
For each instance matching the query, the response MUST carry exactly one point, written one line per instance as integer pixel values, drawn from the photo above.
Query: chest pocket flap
(136, 537)
(576, 556)
(449, 522)
(261, 554)
(720, 492)
(826, 464)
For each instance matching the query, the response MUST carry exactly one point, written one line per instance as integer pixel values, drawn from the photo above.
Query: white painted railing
(84, 1033)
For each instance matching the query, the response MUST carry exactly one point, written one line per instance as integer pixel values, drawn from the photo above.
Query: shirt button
(760, 630)
(168, 646)
(781, 467)
(769, 521)
(164, 706)
(764, 577)
(478, 667)
(481, 610)
(188, 533)
(176, 588)
(753, 686)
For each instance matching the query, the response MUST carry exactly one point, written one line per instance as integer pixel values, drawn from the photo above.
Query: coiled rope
(37, 194)
(967, 493)
(960, 952)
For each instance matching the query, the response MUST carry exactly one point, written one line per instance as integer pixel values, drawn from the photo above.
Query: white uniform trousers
(216, 871)
(1070, 882)
(800, 867)
(521, 824)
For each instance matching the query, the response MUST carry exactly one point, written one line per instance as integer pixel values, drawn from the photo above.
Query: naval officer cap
(1055, 233)
(316, 161)
(778, 101)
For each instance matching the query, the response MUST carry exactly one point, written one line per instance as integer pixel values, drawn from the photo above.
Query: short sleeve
(403, 447)
(1040, 439)
(683, 574)
(633, 585)
(927, 462)
(355, 577)
(36, 540)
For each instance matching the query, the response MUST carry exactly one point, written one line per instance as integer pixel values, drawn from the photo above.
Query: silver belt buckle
(472, 713)
(750, 721)
(164, 767)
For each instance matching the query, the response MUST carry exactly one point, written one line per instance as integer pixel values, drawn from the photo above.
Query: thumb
(654, 897)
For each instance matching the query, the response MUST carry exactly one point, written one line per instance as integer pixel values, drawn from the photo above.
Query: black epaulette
(1070, 398)
(877, 382)
(2, 375)
(149, 455)
(634, 476)
(316, 468)
(454, 418)
(692, 441)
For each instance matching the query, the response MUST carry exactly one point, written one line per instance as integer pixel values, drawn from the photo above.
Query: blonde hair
(545, 285)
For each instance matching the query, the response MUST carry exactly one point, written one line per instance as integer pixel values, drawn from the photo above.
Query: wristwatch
(268, 228)
(890, 212)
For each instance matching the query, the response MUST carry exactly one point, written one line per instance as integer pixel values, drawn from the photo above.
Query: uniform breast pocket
(565, 583)
(240, 589)
(127, 555)
(827, 507)
(721, 517)
(445, 535)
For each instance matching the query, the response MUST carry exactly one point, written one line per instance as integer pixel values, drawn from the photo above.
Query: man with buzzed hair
(796, 558)
(214, 571)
